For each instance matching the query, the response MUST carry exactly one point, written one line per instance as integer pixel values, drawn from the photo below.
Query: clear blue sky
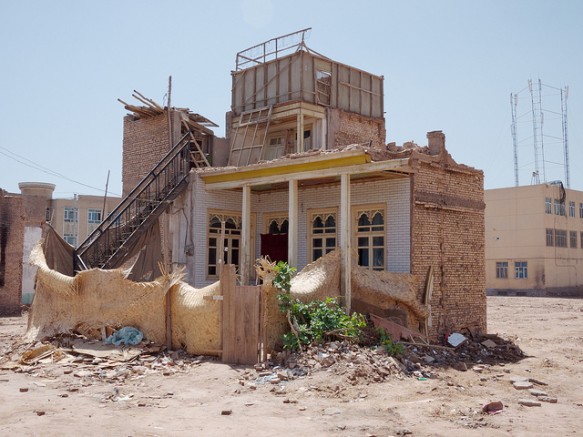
(448, 65)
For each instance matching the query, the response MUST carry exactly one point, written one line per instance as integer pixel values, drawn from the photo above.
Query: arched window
(370, 238)
(224, 237)
(322, 233)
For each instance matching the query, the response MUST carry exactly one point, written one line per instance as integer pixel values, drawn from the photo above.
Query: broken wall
(11, 251)
(448, 234)
(345, 128)
(145, 142)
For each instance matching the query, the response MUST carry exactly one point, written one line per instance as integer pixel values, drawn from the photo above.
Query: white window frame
(326, 234)
(70, 214)
(520, 269)
(501, 269)
(371, 211)
(227, 241)
(71, 239)
(92, 212)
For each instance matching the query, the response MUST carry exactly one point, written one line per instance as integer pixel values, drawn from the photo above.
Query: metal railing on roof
(271, 49)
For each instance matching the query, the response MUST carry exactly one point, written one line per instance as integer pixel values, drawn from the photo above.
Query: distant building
(534, 240)
(76, 218)
(21, 218)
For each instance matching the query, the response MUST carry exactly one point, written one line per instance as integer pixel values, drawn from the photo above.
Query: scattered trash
(456, 339)
(34, 356)
(127, 335)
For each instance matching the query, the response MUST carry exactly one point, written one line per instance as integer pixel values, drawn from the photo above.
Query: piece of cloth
(126, 335)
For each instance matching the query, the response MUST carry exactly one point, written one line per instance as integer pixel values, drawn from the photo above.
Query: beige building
(534, 240)
(75, 219)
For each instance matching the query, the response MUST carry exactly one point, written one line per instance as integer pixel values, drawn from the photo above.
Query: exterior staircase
(115, 237)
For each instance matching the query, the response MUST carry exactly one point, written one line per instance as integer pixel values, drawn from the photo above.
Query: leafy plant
(315, 321)
(391, 348)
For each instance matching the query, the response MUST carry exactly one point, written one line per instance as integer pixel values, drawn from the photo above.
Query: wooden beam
(292, 239)
(260, 178)
(345, 242)
(360, 89)
(245, 245)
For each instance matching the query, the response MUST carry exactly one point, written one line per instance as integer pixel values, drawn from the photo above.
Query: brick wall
(448, 234)
(145, 142)
(11, 248)
(345, 128)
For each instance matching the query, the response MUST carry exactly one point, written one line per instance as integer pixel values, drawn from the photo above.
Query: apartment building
(534, 240)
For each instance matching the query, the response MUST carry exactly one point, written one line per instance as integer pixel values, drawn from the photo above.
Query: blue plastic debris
(126, 335)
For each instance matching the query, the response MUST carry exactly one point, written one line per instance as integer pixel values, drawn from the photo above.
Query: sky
(448, 65)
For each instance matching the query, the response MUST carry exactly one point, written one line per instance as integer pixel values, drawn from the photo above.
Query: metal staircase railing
(136, 213)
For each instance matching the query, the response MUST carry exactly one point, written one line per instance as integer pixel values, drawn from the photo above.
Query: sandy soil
(208, 398)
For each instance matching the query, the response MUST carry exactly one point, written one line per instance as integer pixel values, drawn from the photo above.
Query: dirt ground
(201, 396)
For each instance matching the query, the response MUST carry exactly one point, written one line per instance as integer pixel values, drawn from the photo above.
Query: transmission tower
(547, 114)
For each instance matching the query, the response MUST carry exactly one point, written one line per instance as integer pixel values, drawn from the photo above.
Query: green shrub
(316, 321)
(392, 349)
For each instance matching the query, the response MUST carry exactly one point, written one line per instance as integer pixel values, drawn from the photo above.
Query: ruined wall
(11, 249)
(448, 234)
(345, 128)
(145, 142)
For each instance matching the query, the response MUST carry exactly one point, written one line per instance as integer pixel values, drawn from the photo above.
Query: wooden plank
(228, 277)
(247, 335)
(395, 331)
(241, 319)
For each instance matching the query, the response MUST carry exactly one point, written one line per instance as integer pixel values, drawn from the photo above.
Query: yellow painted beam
(287, 167)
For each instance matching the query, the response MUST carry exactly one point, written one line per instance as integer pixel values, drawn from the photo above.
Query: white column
(345, 241)
(245, 243)
(300, 131)
(292, 235)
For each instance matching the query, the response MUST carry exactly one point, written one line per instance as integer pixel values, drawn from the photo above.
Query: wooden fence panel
(241, 316)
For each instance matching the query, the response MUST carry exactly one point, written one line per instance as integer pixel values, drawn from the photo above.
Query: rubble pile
(92, 360)
(96, 360)
(360, 364)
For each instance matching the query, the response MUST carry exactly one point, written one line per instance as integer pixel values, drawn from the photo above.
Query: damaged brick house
(304, 170)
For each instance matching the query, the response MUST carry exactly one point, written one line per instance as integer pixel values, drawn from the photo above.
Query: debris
(537, 382)
(522, 385)
(456, 339)
(127, 335)
(529, 403)
(34, 356)
(331, 411)
(23, 389)
(549, 399)
(394, 330)
(489, 344)
(226, 412)
(493, 407)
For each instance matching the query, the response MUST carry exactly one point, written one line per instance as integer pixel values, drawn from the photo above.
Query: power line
(29, 163)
